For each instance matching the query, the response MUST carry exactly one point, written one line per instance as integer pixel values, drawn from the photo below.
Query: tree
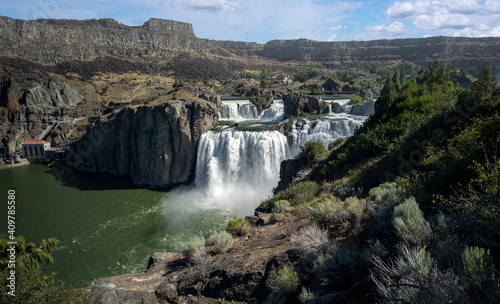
(31, 286)
(435, 74)
(312, 151)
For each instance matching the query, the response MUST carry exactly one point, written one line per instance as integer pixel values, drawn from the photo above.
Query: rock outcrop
(296, 104)
(155, 145)
(51, 97)
(292, 171)
(365, 109)
(239, 275)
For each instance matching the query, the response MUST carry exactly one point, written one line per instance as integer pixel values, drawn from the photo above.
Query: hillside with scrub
(405, 210)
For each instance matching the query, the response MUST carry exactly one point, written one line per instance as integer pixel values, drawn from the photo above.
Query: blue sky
(264, 20)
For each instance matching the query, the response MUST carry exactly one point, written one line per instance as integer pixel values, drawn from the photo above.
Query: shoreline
(20, 164)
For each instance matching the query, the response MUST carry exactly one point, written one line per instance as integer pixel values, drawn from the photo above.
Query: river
(106, 225)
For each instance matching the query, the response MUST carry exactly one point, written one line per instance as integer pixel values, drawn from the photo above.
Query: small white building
(35, 150)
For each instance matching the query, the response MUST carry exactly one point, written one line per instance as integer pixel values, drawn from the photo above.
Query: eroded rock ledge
(239, 275)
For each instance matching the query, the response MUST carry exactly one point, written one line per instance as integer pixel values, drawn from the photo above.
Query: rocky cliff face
(51, 97)
(52, 41)
(28, 106)
(418, 50)
(155, 145)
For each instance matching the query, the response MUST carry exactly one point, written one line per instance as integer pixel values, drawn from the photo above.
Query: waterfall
(239, 168)
(245, 110)
(274, 114)
(237, 111)
(325, 129)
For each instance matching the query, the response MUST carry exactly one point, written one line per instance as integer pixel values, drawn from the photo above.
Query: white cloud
(333, 37)
(336, 28)
(394, 29)
(442, 21)
(408, 9)
(475, 32)
(492, 6)
(208, 5)
(346, 6)
(450, 17)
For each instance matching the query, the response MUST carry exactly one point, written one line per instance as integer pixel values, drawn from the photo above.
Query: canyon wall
(52, 41)
(155, 145)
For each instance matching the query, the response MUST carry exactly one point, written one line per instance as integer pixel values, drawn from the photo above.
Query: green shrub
(312, 151)
(328, 212)
(384, 194)
(238, 227)
(336, 143)
(306, 295)
(297, 194)
(310, 237)
(414, 278)
(409, 222)
(195, 251)
(375, 249)
(333, 211)
(437, 222)
(480, 266)
(355, 206)
(280, 209)
(478, 262)
(282, 280)
(221, 240)
(355, 99)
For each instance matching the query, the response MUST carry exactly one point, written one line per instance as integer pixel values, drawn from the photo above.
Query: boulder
(296, 104)
(365, 109)
(336, 107)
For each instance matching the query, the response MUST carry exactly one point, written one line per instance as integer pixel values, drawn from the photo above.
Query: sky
(264, 20)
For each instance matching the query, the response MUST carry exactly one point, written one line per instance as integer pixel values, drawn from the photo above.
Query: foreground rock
(238, 275)
(155, 145)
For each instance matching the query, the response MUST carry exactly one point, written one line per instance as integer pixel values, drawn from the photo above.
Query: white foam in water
(325, 129)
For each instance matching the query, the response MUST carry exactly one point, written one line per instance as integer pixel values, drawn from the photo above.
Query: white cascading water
(236, 169)
(245, 110)
(236, 111)
(239, 168)
(325, 129)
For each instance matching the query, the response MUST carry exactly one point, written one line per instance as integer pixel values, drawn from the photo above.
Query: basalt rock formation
(296, 104)
(155, 145)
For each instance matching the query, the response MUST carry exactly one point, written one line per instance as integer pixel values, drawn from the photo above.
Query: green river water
(106, 225)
